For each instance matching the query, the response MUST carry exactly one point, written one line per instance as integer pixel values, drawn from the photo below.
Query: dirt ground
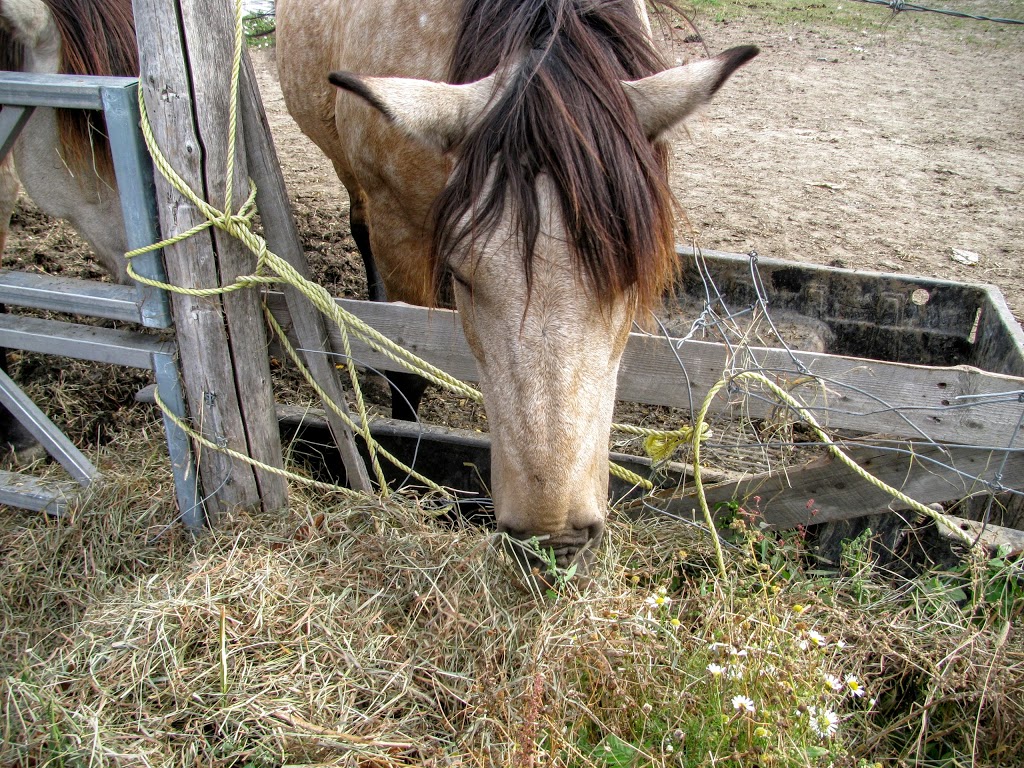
(879, 149)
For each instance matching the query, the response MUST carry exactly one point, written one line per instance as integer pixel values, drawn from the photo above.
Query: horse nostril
(553, 559)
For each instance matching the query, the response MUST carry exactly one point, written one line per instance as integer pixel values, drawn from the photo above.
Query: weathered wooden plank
(992, 537)
(826, 489)
(209, 27)
(283, 239)
(910, 317)
(961, 405)
(218, 337)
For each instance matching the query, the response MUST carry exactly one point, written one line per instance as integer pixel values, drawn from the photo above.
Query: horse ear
(663, 100)
(438, 114)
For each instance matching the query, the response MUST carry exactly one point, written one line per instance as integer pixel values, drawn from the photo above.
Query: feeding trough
(931, 365)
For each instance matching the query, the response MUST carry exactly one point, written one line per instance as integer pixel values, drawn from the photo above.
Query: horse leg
(406, 388)
(361, 234)
(8, 197)
(13, 435)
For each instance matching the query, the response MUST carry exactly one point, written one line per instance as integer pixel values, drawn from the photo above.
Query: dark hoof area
(23, 454)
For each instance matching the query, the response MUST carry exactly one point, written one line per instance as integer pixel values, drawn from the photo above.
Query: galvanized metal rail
(117, 97)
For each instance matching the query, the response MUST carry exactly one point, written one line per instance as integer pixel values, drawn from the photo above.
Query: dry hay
(369, 634)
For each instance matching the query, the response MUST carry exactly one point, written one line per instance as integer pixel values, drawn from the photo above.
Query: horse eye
(460, 280)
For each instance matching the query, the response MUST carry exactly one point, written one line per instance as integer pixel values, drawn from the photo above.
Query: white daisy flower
(659, 600)
(854, 685)
(824, 722)
(743, 704)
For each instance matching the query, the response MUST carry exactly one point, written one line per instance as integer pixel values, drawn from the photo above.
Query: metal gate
(117, 98)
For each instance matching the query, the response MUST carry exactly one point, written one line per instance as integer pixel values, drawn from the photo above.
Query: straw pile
(372, 635)
(357, 631)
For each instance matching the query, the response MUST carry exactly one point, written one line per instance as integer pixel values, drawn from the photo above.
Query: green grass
(259, 30)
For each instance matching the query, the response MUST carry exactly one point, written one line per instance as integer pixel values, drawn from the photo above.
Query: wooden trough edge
(460, 458)
(868, 396)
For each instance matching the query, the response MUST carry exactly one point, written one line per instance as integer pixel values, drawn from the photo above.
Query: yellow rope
(207, 443)
(271, 269)
(834, 449)
(283, 339)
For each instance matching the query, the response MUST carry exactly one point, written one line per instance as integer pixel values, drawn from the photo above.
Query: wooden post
(185, 55)
(283, 239)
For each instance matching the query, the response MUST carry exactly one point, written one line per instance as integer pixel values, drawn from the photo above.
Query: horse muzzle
(550, 561)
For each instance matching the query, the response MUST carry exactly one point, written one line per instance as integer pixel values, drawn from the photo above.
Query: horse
(62, 156)
(512, 152)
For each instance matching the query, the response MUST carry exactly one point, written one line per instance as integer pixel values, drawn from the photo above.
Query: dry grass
(371, 635)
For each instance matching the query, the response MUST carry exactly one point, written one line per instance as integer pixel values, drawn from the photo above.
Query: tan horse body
(546, 335)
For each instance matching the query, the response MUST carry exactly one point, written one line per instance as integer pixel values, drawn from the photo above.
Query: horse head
(547, 326)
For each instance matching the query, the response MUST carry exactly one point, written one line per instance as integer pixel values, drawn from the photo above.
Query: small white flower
(743, 704)
(716, 670)
(659, 601)
(834, 683)
(816, 639)
(854, 686)
(824, 722)
(734, 651)
(736, 671)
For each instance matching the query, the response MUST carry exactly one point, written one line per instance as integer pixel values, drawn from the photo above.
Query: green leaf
(613, 752)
